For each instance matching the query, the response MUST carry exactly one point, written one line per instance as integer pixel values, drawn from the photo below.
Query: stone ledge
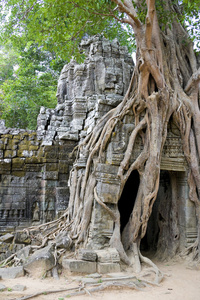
(79, 266)
(109, 255)
(88, 255)
(11, 273)
(104, 268)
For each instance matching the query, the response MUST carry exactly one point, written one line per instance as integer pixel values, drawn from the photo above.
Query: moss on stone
(9, 153)
(51, 167)
(9, 136)
(23, 147)
(18, 173)
(33, 160)
(33, 148)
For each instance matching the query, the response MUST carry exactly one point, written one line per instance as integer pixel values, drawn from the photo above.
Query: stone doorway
(128, 196)
(172, 224)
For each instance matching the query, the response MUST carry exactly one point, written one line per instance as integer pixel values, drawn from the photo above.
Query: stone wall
(33, 178)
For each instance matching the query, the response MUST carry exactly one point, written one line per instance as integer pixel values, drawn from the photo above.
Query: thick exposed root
(127, 282)
(191, 250)
(104, 286)
(158, 274)
(45, 293)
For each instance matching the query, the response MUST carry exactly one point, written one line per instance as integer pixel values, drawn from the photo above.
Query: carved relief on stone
(104, 72)
(35, 212)
(108, 184)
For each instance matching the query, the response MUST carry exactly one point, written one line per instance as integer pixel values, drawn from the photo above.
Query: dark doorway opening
(150, 241)
(128, 196)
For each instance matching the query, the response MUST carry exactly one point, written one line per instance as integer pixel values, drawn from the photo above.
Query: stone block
(9, 136)
(50, 175)
(63, 167)
(1, 153)
(42, 110)
(5, 166)
(34, 167)
(40, 262)
(19, 288)
(23, 146)
(33, 147)
(17, 163)
(68, 136)
(109, 255)
(104, 268)
(88, 255)
(24, 253)
(51, 167)
(62, 197)
(109, 192)
(79, 266)
(51, 152)
(12, 144)
(4, 247)
(18, 173)
(40, 130)
(11, 273)
(47, 142)
(2, 287)
(7, 238)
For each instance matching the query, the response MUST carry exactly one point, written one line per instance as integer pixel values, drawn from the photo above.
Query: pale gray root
(45, 293)
(158, 274)
(103, 286)
(137, 264)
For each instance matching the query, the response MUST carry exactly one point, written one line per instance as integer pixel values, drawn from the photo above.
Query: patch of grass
(9, 290)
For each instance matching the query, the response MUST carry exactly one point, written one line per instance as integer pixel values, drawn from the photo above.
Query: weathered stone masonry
(35, 166)
(33, 180)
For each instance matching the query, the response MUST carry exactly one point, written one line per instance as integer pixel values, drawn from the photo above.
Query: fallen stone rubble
(40, 262)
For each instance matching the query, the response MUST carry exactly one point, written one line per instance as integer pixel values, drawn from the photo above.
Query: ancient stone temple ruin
(35, 165)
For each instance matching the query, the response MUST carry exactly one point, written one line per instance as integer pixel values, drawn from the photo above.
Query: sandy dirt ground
(181, 283)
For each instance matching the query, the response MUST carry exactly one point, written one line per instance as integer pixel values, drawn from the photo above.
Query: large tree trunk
(164, 86)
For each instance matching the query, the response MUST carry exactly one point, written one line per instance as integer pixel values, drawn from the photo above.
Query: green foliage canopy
(60, 25)
(36, 30)
(27, 82)
(57, 26)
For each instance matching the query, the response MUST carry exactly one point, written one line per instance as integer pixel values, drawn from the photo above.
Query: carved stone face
(61, 92)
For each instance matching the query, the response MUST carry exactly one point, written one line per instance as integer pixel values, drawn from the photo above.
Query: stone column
(187, 216)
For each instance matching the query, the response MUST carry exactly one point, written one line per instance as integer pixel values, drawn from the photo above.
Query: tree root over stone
(127, 282)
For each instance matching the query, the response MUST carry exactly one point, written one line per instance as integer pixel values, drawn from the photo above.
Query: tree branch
(194, 79)
(128, 8)
(149, 21)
